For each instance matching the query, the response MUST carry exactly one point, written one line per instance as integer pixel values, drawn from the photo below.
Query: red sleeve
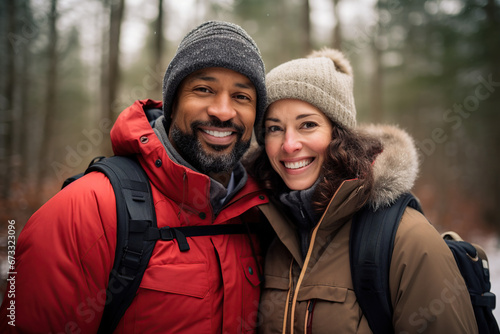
(63, 258)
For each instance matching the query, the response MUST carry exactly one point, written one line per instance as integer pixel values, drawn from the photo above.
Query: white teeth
(218, 133)
(298, 164)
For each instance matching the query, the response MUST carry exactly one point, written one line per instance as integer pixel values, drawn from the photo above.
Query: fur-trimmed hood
(396, 168)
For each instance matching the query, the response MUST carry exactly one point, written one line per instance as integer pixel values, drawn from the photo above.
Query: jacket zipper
(181, 207)
(302, 274)
(309, 316)
(188, 208)
(301, 209)
(288, 303)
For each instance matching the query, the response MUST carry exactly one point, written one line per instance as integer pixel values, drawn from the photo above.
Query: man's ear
(174, 109)
(168, 121)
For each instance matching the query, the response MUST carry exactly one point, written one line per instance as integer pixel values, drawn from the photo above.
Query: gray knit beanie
(323, 79)
(215, 44)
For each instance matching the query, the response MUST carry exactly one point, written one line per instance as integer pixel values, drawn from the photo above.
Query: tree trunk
(306, 28)
(376, 89)
(377, 92)
(104, 75)
(116, 17)
(50, 98)
(24, 100)
(492, 11)
(337, 31)
(158, 43)
(7, 103)
(111, 66)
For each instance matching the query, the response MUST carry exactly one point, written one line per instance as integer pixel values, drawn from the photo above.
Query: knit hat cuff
(317, 97)
(299, 90)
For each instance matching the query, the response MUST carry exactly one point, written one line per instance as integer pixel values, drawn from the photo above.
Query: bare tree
(24, 113)
(116, 18)
(337, 31)
(50, 95)
(7, 102)
(110, 77)
(376, 95)
(306, 27)
(158, 43)
(376, 89)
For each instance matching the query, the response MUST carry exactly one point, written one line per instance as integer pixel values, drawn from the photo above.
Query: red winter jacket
(66, 250)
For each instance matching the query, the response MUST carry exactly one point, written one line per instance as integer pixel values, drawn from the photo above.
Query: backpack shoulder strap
(137, 233)
(135, 215)
(370, 248)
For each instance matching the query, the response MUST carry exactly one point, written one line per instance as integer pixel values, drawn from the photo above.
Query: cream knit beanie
(323, 79)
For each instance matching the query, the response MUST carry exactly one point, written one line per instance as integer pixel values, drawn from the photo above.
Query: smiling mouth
(218, 134)
(298, 164)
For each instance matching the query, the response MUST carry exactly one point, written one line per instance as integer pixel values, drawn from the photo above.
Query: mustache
(218, 124)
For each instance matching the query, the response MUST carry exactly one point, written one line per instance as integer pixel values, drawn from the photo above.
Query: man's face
(212, 118)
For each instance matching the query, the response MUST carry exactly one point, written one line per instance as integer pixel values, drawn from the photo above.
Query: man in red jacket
(213, 92)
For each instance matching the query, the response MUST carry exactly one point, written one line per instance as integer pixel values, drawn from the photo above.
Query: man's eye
(242, 97)
(202, 89)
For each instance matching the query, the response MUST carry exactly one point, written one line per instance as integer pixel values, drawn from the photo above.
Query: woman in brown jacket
(321, 169)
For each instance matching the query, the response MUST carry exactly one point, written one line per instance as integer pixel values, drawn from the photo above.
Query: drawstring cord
(181, 206)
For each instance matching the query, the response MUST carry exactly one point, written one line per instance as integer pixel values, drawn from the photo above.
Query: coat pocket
(250, 293)
(189, 279)
(170, 296)
(323, 292)
(320, 306)
(276, 282)
(252, 269)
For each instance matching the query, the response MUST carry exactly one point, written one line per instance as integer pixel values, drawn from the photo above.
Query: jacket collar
(338, 212)
(394, 171)
(396, 168)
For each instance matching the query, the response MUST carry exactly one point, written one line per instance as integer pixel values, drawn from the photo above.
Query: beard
(191, 149)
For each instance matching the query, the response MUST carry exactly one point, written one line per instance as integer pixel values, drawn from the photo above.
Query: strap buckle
(166, 233)
(131, 259)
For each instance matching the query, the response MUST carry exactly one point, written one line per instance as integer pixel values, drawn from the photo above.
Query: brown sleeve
(427, 290)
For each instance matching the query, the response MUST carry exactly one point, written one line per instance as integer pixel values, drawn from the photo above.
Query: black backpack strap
(181, 233)
(73, 178)
(137, 233)
(135, 215)
(370, 245)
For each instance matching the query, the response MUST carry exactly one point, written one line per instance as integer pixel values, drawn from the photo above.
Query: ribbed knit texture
(215, 44)
(324, 79)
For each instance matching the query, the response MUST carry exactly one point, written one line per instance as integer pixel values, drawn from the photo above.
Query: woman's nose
(292, 142)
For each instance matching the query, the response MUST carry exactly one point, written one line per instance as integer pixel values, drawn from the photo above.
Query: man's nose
(222, 108)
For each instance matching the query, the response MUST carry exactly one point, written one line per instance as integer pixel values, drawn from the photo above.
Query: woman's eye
(272, 128)
(309, 125)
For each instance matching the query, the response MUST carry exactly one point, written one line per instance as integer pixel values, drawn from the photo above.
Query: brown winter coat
(316, 295)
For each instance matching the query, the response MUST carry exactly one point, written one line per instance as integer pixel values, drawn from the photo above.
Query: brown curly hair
(349, 156)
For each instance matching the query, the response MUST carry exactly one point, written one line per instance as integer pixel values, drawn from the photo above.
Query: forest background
(68, 68)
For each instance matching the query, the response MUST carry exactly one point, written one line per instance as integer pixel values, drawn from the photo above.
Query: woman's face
(297, 136)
